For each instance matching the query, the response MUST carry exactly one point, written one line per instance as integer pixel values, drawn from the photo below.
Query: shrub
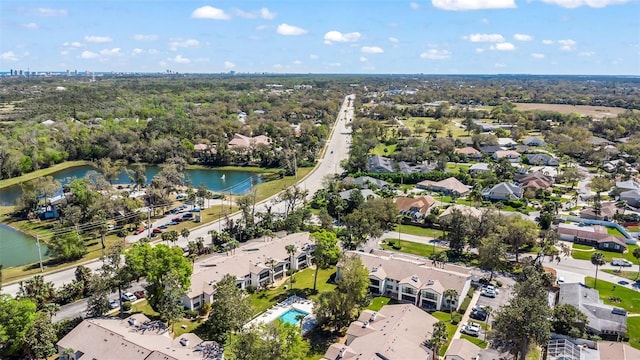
(205, 308)
(250, 289)
(126, 306)
(498, 283)
(191, 314)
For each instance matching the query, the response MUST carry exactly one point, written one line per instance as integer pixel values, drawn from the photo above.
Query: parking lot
(502, 298)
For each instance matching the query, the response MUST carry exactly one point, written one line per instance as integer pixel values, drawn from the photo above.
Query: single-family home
(133, 338)
(535, 181)
(627, 185)
(448, 186)
(507, 142)
(533, 141)
(490, 149)
(632, 197)
(242, 142)
(395, 332)
(366, 194)
(366, 182)
(603, 320)
(461, 349)
(607, 211)
(416, 208)
(380, 164)
(541, 159)
(479, 168)
(469, 153)
(503, 191)
(594, 140)
(512, 156)
(414, 280)
(407, 168)
(463, 209)
(256, 264)
(595, 236)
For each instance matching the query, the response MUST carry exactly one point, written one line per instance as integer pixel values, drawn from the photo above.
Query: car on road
(139, 294)
(113, 303)
(621, 262)
(163, 226)
(138, 232)
(470, 328)
(129, 297)
(560, 280)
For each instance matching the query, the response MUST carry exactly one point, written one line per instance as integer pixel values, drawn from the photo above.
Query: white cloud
(363, 59)
(174, 44)
(229, 65)
(336, 36)
(50, 12)
(263, 13)
(179, 59)
(462, 5)
(209, 12)
(372, 50)
(89, 55)
(537, 55)
(414, 6)
(267, 14)
(548, 42)
(153, 52)
(290, 30)
(505, 46)
(523, 37)
(436, 54)
(110, 52)
(586, 53)
(30, 26)
(335, 64)
(484, 21)
(393, 40)
(313, 56)
(137, 51)
(73, 44)
(479, 50)
(9, 55)
(97, 39)
(296, 62)
(571, 4)
(484, 38)
(143, 37)
(567, 44)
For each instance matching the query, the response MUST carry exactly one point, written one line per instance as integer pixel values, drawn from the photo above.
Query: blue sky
(323, 36)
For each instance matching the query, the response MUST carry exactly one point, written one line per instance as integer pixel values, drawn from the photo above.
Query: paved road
(337, 149)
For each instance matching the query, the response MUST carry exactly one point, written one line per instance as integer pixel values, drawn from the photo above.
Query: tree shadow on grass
(320, 339)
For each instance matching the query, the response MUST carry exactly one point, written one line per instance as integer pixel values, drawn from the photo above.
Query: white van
(621, 262)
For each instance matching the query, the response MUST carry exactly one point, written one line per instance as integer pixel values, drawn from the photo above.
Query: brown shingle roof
(423, 203)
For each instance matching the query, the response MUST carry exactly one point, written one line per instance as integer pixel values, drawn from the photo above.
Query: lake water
(17, 248)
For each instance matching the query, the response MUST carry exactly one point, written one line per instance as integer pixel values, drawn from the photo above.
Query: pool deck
(293, 302)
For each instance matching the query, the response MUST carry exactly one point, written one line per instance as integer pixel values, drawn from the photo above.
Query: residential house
(512, 156)
(407, 168)
(366, 194)
(627, 185)
(461, 349)
(464, 209)
(251, 264)
(204, 151)
(380, 164)
(607, 211)
(242, 142)
(133, 338)
(507, 142)
(448, 186)
(414, 280)
(503, 191)
(603, 320)
(469, 153)
(490, 149)
(395, 332)
(416, 208)
(535, 181)
(479, 168)
(632, 197)
(541, 159)
(615, 350)
(533, 141)
(365, 182)
(595, 236)
(594, 140)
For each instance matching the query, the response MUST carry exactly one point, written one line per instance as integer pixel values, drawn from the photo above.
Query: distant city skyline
(582, 37)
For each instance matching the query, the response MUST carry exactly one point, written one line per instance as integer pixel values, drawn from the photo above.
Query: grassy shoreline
(42, 172)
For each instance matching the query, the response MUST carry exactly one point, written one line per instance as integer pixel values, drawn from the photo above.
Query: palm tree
(193, 251)
(185, 233)
(173, 236)
(438, 337)
(166, 236)
(233, 244)
(291, 250)
(299, 319)
(67, 354)
(271, 263)
(451, 295)
(200, 244)
(636, 254)
(598, 260)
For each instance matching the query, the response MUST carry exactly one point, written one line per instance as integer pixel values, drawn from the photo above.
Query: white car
(470, 328)
(129, 297)
(488, 292)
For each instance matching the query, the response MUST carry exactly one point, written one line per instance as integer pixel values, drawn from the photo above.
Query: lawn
(586, 255)
(418, 231)
(633, 331)
(451, 329)
(143, 306)
(384, 150)
(270, 188)
(475, 340)
(378, 302)
(302, 286)
(411, 247)
(631, 275)
(614, 232)
(454, 168)
(630, 299)
(450, 200)
(582, 247)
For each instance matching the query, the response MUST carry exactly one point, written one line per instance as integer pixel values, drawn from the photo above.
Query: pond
(17, 248)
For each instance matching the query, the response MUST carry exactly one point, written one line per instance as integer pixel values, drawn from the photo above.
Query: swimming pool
(290, 316)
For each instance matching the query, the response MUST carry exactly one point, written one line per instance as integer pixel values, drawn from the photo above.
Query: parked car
(478, 314)
(195, 209)
(621, 262)
(156, 231)
(139, 294)
(172, 223)
(113, 303)
(138, 232)
(470, 328)
(176, 220)
(560, 280)
(163, 226)
(488, 292)
(187, 216)
(129, 297)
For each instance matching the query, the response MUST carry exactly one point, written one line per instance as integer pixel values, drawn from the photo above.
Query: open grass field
(456, 131)
(384, 150)
(629, 299)
(410, 247)
(419, 231)
(586, 110)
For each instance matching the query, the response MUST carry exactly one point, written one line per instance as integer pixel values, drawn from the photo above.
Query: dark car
(157, 231)
(163, 226)
(176, 220)
(187, 216)
(478, 314)
(139, 294)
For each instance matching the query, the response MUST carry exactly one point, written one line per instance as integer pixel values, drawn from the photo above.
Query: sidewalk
(467, 314)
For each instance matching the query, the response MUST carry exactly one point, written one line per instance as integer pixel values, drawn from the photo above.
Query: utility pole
(295, 165)
(149, 222)
(39, 252)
